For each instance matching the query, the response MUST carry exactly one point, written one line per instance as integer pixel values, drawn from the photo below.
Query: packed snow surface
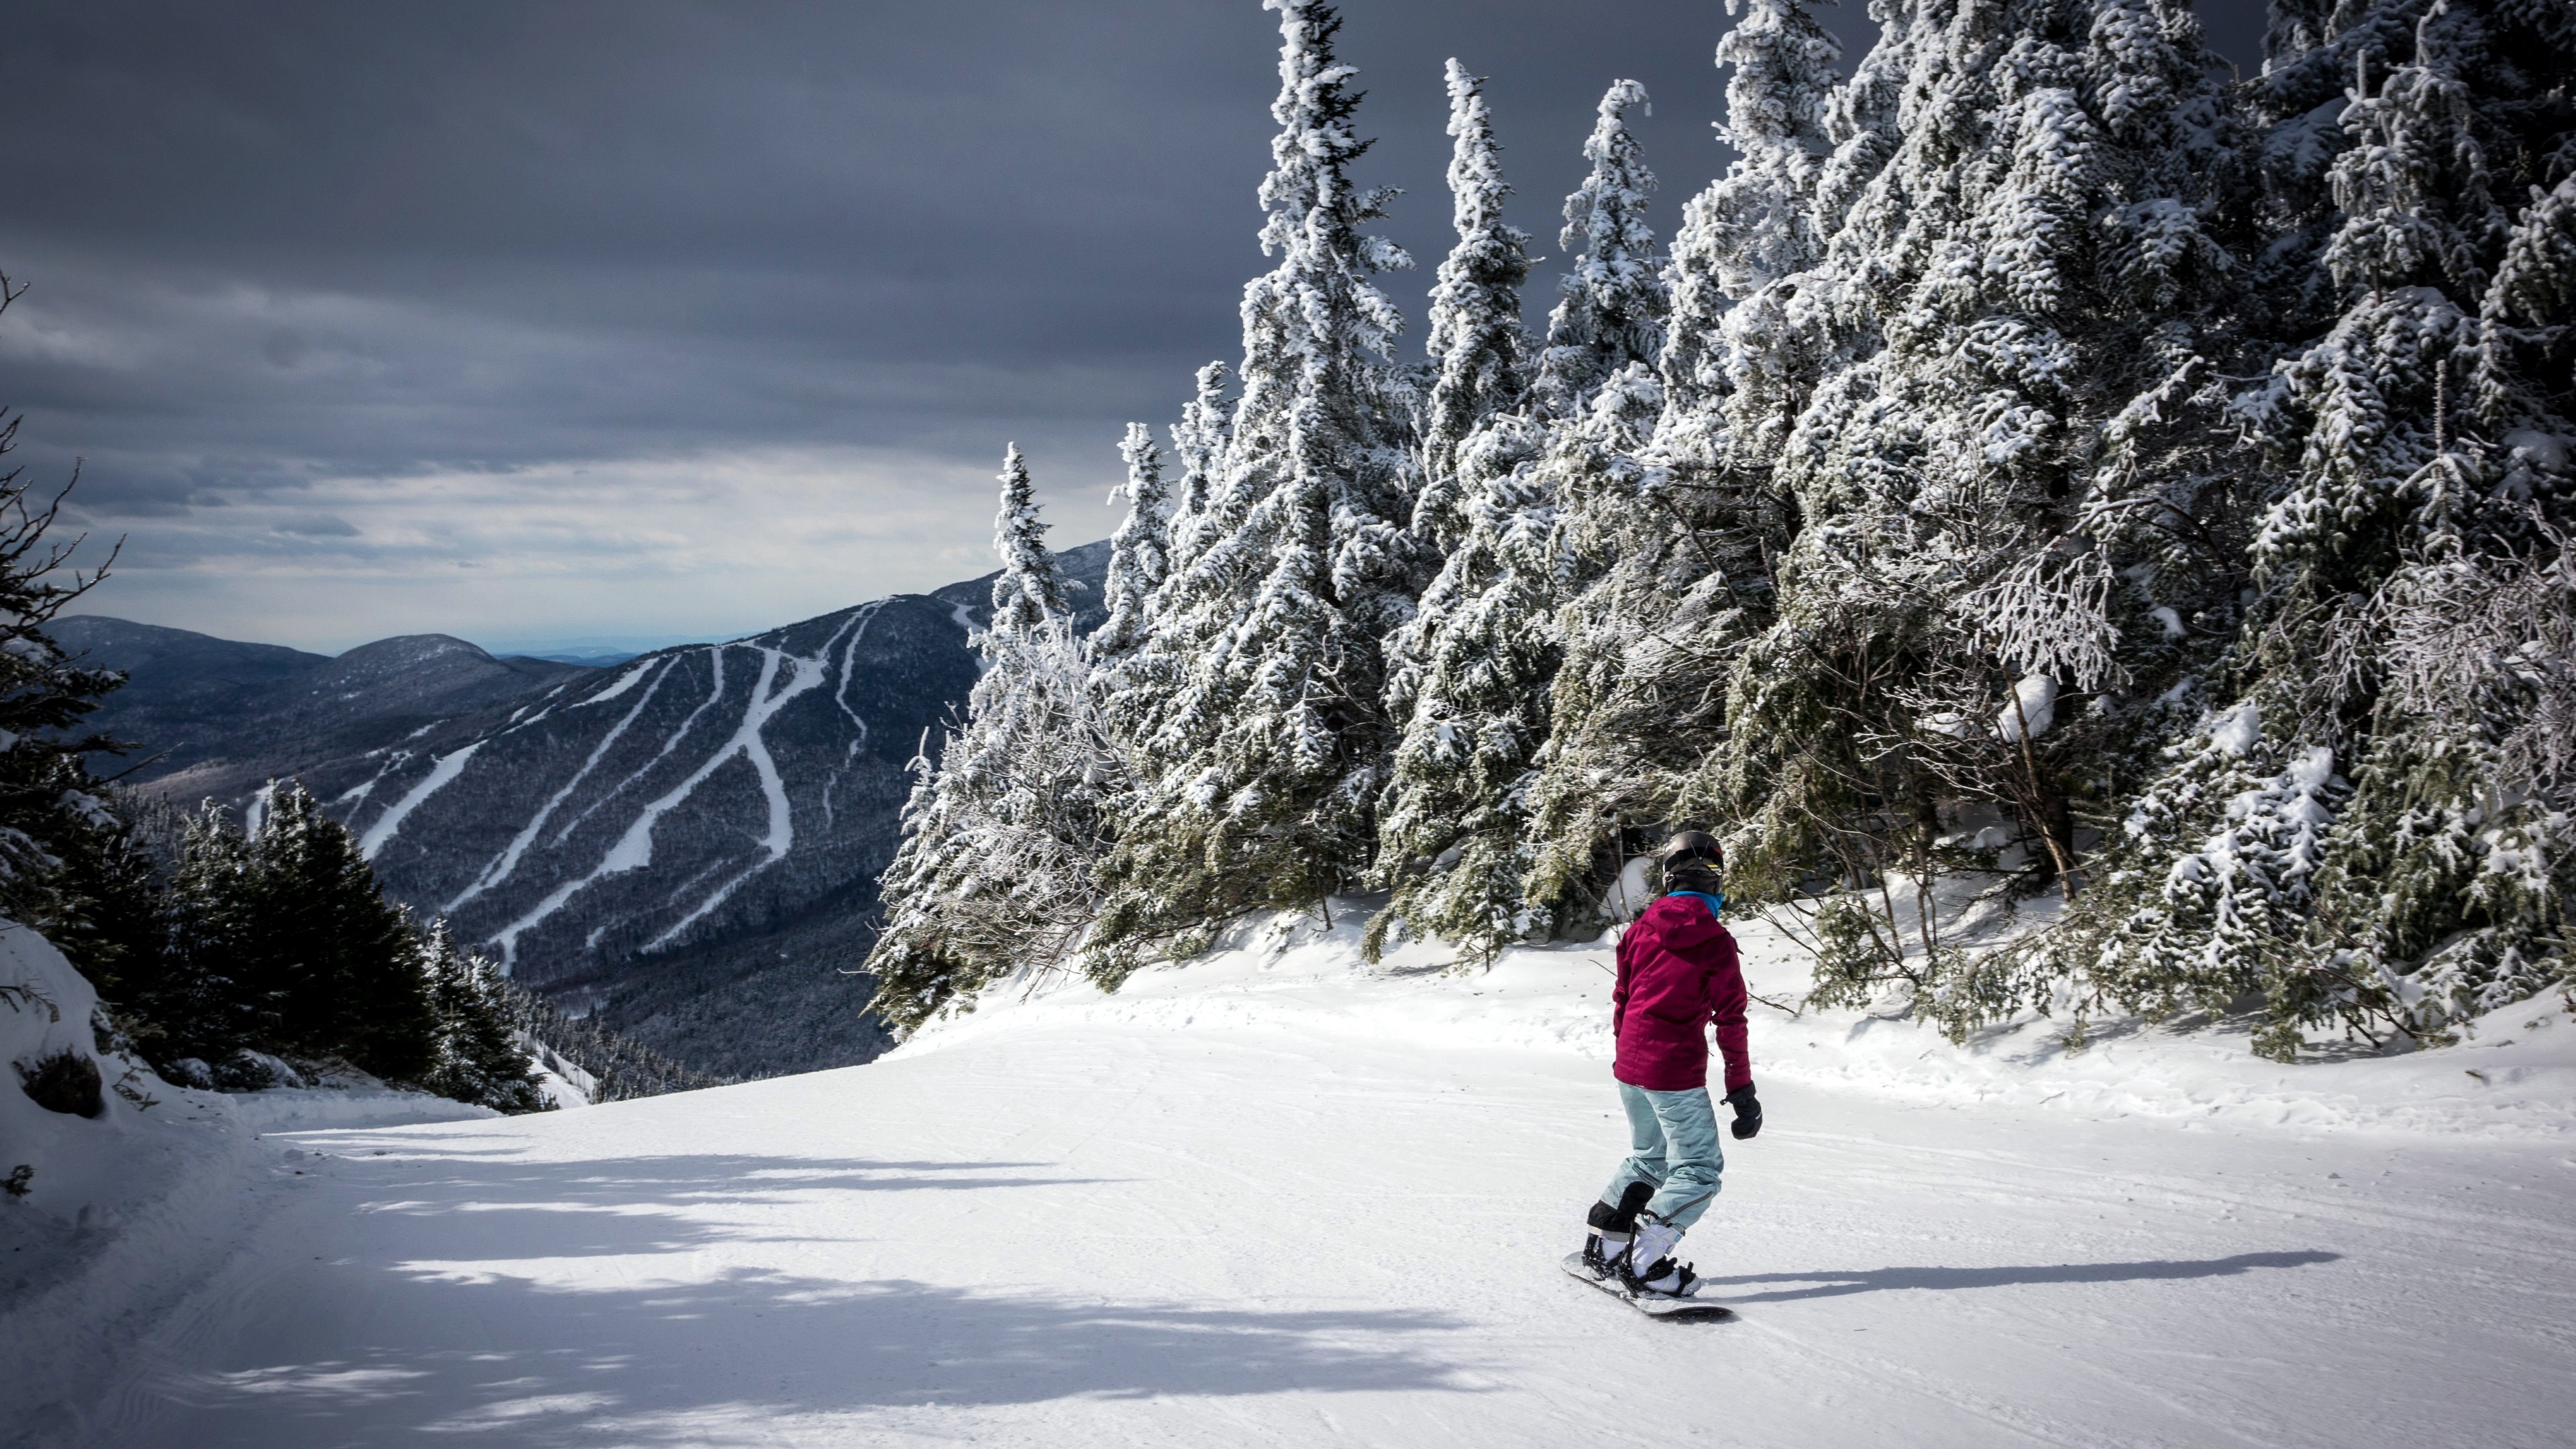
(1284, 1197)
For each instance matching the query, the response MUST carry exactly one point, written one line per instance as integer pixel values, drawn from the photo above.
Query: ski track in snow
(444, 771)
(504, 865)
(1234, 1203)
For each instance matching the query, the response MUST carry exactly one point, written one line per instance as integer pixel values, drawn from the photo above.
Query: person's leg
(1646, 1157)
(1693, 1166)
(1613, 1219)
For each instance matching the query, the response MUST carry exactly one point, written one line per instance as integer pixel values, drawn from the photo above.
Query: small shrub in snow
(65, 1082)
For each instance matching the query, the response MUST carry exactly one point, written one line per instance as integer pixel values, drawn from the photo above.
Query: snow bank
(67, 1164)
(2514, 1076)
(123, 1212)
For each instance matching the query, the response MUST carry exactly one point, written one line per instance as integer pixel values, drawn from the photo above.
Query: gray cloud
(323, 262)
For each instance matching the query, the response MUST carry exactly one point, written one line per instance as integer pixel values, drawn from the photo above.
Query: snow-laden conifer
(1003, 831)
(2421, 456)
(1476, 338)
(1268, 759)
(1612, 309)
(1198, 443)
(1664, 549)
(1459, 837)
(478, 1057)
(1755, 225)
(1139, 552)
(2013, 305)
(1031, 588)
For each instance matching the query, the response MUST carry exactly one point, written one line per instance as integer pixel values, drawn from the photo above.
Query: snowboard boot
(1659, 1276)
(1605, 1250)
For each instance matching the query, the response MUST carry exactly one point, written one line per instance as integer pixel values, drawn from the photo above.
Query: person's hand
(1748, 1113)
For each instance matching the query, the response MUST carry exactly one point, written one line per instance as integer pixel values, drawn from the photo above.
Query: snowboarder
(1677, 974)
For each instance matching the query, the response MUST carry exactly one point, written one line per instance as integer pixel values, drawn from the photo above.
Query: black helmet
(1691, 847)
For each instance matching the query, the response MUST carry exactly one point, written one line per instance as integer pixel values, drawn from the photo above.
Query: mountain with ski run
(687, 843)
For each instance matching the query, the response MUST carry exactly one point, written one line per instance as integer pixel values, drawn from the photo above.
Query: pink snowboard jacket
(1678, 973)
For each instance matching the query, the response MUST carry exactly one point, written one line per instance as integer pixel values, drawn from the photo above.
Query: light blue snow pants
(1672, 1140)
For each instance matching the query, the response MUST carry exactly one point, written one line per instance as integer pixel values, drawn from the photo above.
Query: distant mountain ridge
(686, 843)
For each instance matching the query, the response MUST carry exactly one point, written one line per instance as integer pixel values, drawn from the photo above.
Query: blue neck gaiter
(1716, 904)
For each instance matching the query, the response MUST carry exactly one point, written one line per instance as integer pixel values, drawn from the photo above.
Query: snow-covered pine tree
(1456, 842)
(1198, 442)
(1139, 555)
(281, 942)
(1476, 337)
(59, 838)
(1268, 759)
(1675, 547)
(1754, 226)
(1611, 313)
(1467, 675)
(319, 937)
(478, 1057)
(1598, 390)
(2017, 300)
(2419, 449)
(1031, 588)
(1002, 833)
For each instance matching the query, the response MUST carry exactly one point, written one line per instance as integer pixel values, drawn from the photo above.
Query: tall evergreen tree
(2039, 252)
(1002, 834)
(280, 941)
(1756, 225)
(477, 1057)
(1476, 337)
(1139, 553)
(1198, 442)
(2367, 871)
(1032, 587)
(1673, 538)
(1612, 309)
(59, 840)
(1268, 760)
(316, 935)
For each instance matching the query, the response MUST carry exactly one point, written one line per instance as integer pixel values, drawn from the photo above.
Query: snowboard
(1652, 1307)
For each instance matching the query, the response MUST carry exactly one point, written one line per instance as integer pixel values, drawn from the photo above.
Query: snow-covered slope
(1286, 1198)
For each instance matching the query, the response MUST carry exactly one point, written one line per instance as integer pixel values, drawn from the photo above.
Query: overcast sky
(541, 323)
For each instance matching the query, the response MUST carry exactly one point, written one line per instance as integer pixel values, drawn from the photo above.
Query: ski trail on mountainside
(841, 697)
(506, 864)
(849, 654)
(633, 849)
(624, 683)
(715, 695)
(507, 938)
(381, 834)
(749, 743)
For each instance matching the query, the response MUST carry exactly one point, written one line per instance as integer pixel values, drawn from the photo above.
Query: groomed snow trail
(1274, 1211)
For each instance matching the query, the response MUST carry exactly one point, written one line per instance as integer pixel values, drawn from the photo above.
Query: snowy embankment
(130, 1192)
(2514, 1075)
(1285, 1198)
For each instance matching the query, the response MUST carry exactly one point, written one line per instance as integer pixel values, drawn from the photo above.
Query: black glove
(1748, 1113)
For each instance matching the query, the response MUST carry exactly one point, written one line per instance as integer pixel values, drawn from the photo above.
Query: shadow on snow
(1878, 1280)
(485, 1344)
